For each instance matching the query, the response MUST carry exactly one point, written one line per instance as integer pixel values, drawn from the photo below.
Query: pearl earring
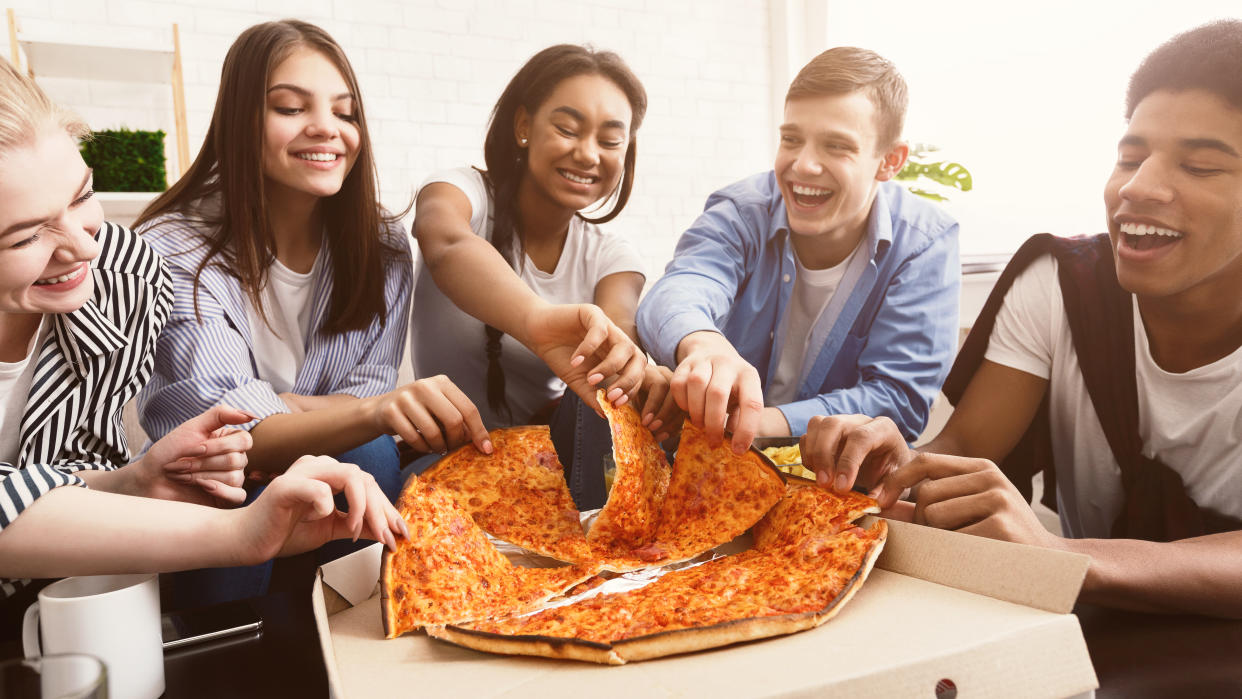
(523, 141)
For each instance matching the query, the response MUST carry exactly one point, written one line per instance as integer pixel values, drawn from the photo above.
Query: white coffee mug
(115, 618)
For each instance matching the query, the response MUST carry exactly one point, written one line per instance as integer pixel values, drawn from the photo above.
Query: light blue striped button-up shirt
(207, 359)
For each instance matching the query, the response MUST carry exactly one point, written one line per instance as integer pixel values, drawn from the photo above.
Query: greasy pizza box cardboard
(992, 617)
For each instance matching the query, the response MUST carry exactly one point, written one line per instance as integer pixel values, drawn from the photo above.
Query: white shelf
(54, 59)
(48, 57)
(124, 207)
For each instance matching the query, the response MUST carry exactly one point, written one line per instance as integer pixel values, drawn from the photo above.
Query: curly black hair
(1208, 57)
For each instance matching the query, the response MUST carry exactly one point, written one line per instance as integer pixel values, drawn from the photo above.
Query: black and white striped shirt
(91, 364)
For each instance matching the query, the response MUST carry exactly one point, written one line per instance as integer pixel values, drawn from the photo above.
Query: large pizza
(808, 556)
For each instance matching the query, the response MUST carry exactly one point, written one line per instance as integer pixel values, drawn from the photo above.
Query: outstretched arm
(1200, 576)
(578, 342)
(960, 487)
(77, 531)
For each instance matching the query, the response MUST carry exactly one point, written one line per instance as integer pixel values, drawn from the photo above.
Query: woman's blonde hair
(25, 110)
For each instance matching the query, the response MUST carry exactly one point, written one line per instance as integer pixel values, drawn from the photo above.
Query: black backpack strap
(1101, 320)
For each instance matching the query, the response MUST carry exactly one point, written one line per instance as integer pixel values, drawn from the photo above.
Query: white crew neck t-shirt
(446, 340)
(15, 380)
(280, 349)
(813, 290)
(1191, 422)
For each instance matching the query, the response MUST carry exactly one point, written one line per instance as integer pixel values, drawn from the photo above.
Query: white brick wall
(430, 71)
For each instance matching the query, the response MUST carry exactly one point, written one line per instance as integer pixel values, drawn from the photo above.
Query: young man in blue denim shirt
(821, 287)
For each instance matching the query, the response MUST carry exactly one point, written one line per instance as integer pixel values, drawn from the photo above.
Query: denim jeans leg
(581, 438)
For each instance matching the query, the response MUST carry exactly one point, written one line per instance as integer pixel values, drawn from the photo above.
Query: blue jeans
(205, 586)
(582, 438)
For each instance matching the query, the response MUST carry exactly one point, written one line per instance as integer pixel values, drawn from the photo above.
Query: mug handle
(30, 632)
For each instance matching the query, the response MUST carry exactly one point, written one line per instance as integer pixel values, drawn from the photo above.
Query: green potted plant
(921, 169)
(127, 161)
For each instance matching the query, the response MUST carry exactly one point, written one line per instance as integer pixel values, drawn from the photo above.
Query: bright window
(1029, 96)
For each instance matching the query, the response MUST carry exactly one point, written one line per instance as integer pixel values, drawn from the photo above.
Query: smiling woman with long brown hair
(292, 283)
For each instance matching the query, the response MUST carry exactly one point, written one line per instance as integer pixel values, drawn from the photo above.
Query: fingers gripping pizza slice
(448, 572)
(517, 493)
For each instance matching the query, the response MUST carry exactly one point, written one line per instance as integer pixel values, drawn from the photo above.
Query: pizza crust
(541, 646)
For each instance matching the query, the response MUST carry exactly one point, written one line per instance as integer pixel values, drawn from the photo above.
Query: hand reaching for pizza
(718, 389)
(296, 511)
(967, 495)
(660, 412)
(842, 449)
(586, 350)
(431, 415)
(201, 461)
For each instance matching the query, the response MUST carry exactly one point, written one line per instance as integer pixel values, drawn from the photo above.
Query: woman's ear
(893, 161)
(521, 127)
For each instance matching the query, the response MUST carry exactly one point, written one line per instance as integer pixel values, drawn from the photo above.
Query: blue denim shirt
(890, 331)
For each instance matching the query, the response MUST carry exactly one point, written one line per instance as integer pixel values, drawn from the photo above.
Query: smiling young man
(1115, 359)
(820, 287)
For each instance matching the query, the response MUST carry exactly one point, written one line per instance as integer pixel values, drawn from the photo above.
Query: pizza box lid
(941, 613)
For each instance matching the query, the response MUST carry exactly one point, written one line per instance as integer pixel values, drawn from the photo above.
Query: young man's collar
(879, 236)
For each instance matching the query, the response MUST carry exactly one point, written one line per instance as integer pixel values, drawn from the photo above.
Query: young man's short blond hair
(846, 69)
(25, 111)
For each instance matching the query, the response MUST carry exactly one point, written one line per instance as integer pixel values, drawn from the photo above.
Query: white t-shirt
(445, 340)
(812, 291)
(279, 350)
(15, 380)
(1192, 421)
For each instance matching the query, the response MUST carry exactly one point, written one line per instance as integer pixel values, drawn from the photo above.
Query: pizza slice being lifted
(631, 516)
(715, 495)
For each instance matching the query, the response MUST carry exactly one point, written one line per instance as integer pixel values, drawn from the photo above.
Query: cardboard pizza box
(942, 614)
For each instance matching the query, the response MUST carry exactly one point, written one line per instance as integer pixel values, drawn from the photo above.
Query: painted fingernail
(622, 401)
(577, 360)
(615, 393)
(842, 484)
(595, 378)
